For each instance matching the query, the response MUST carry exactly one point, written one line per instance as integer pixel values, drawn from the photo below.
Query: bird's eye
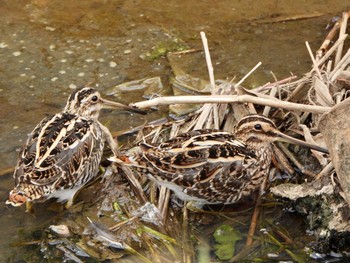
(94, 99)
(257, 127)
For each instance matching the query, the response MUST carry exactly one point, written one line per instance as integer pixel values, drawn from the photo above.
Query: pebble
(49, 28)
(3, 45)
(112, 64)
(60, 230)
(72, 86)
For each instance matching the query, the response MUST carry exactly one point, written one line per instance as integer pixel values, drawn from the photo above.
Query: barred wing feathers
(58, 149)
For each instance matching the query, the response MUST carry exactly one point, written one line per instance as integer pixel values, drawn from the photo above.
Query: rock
(60, 230)
(335, 127)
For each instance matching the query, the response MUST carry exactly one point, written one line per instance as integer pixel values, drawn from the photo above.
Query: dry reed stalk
(326, 56)
(231, 99)
(254, 220)
(135, 184)
(340, 66)
(208, 61)
(268, 85)
(331, 35)
(315, 67)
(272, 94)
(327, 170)
(247, 75)
(342, 32)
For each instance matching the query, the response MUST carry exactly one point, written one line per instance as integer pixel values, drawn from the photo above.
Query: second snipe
(210, 166)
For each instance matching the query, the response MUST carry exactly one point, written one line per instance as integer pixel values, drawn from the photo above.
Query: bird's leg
(69, 203)
(113, 144)
(29, 207)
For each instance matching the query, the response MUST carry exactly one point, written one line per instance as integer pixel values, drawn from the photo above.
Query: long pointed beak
(285, 138)
(107, 104)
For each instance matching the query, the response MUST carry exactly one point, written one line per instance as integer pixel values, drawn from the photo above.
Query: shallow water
(47, 48)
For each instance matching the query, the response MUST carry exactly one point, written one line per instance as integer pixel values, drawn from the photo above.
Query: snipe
(211, 166)
(63, 152)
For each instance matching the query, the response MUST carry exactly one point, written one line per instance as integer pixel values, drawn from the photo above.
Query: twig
(253, 223)
(340, 66)
(342, 32)
(122, 223)
(269, 85)
(313, 60)
(203, 117)
(231, 99)
(285, 18)
(186, 257)
(163, 201)
(273, 92)
(326, 171)
(208, 60)
(248, 74)
(328, 40)
(211, 77)
(134, 183)
(331, 50)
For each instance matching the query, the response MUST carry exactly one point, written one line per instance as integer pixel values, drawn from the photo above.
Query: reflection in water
(48, 48)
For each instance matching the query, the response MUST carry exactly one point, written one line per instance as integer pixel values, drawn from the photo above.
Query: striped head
(258, 131)
(87, 102)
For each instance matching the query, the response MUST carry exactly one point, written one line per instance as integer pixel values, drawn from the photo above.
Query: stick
(328, 40)
(331, 50)
(208, 60)
(342, 31)
(313, 60)
(340, 66)
(231, 99)
(211, 77)
(253, 222)
(247, 75)
(273, 92)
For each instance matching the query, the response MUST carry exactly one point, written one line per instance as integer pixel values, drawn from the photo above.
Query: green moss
(225, 239)
(162, 48)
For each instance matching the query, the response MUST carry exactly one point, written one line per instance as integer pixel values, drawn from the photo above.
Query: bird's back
(207, 164)
(63, 151)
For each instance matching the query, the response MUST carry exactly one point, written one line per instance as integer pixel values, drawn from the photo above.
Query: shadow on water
(47, 48)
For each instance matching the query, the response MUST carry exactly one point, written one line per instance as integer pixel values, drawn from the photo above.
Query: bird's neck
(259, 148)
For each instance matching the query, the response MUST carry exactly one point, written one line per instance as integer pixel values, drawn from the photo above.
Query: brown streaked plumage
(63, 152)
(213, 166)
